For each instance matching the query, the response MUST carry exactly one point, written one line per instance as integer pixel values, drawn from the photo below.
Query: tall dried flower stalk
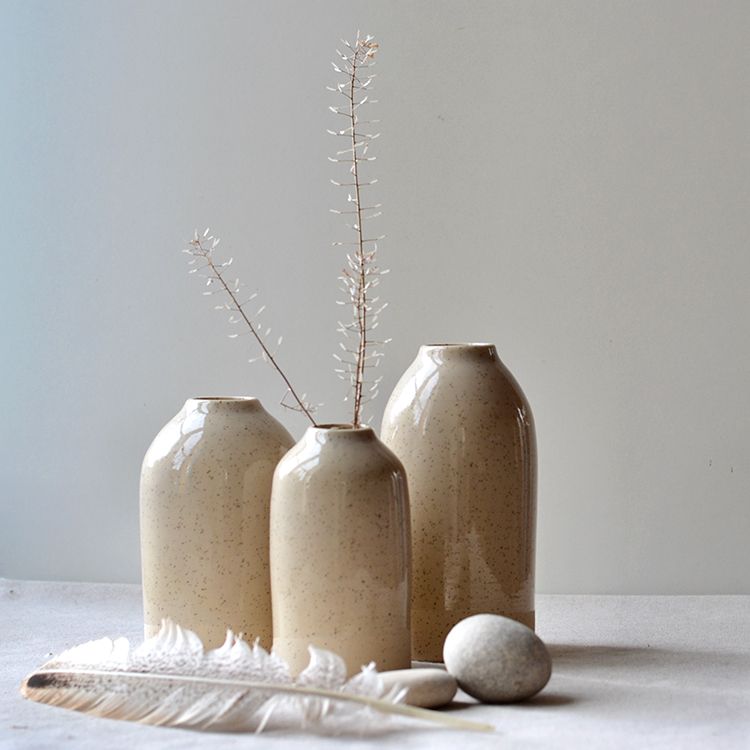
(361, 274)
(205, 265)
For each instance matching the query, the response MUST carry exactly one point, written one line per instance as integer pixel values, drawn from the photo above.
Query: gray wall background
(566, 179)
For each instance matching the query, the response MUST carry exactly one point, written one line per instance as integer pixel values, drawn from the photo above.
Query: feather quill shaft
(171, 681)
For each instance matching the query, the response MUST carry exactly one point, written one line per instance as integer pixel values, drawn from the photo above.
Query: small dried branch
(361, 274)
(201, 249)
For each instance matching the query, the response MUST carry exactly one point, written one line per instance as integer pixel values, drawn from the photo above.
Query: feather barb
(170, 680)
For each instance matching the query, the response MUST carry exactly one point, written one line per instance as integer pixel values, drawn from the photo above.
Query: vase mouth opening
(224, 398)
(232, 403)
(340, 429)
(458, 351)
(461, 345)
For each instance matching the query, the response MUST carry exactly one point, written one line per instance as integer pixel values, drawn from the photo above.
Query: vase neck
(441, 353)
(223, 405)
(338, 434)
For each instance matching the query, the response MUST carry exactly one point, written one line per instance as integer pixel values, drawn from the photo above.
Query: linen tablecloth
(628, 672)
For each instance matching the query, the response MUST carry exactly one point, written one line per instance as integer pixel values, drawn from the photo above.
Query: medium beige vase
(464, 431)
(205, 495)
(340, 550)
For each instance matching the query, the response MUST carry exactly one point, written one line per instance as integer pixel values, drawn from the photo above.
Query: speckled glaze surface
(463, 429)
(340, 550)
(205, 496)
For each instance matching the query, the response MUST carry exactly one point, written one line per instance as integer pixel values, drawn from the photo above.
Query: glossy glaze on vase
(205, 496)
(340, 550)
(463, 429)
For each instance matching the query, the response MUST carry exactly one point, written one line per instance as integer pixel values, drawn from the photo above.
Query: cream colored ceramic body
(205, 495)
(464, 431)
(340, 550)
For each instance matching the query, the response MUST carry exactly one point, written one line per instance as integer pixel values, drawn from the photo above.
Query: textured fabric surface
(628, 672)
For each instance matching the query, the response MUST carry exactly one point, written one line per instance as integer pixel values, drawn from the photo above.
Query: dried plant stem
(361, 273)
(267, 354)
(362, 291)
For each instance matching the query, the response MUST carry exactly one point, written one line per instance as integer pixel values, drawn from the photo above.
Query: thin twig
(206, 254)
(362, 272)
(362, 299)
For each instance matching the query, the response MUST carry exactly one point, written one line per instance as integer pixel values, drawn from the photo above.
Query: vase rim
(334, 430)
(341, 427)
(459, 351)
(224, 398)
(460, 345)
(234, 403)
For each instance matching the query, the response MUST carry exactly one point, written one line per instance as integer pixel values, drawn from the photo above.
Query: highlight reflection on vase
(463, 429)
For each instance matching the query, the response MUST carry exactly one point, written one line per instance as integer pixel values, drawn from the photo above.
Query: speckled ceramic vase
(464, 431)
(340, 550)
(205, 495)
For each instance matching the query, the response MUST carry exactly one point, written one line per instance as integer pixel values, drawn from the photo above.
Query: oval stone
(427, 688)
(496, 659)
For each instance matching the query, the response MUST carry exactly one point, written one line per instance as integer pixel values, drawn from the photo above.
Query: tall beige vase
(464, 431)
(205, 496)
(340, 550)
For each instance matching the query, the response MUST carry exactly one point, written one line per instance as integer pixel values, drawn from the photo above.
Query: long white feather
(171, 680)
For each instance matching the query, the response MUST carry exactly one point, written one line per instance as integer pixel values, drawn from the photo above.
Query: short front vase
(205, 497)
(340, 550)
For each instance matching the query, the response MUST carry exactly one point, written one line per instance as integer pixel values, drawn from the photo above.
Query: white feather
(171, 680)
